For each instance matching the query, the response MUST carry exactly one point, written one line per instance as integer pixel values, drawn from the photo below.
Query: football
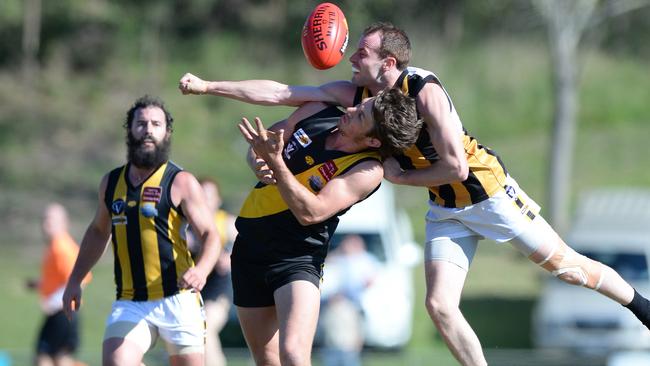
(325, 36)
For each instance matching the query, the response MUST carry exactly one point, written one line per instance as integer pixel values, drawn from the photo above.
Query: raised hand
(190, 84)
(267, 144)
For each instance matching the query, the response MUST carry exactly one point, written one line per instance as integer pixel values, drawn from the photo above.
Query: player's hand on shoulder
(191, 84)
(392, 170)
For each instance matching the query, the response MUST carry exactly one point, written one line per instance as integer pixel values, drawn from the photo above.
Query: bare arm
(268, 92)
(187, 193)
(452, 167)
(92, 247)
(309, 208)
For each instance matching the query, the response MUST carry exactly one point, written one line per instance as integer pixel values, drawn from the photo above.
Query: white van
(613, 227)
(387, 304)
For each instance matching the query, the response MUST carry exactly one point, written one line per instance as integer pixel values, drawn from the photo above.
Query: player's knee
(574, 268)
(294, 355)
(440, 311)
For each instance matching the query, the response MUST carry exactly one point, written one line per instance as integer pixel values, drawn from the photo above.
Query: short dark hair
(394, 42)
(397, 125)
(148, 101)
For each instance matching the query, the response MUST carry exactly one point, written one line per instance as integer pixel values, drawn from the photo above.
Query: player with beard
(141, 209)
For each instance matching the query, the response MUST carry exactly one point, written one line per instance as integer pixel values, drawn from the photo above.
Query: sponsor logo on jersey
(328, 169)
(302, 138)
(131, 203)
(151, 194)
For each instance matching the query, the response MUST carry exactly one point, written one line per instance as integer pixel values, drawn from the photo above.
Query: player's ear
(390, 62)
(373, 142)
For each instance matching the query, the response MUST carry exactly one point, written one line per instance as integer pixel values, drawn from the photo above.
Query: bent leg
(446, 265)
(260, 328)
(297, 305)
(542, 245)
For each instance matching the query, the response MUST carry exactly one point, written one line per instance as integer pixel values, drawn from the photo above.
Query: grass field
(21, 316)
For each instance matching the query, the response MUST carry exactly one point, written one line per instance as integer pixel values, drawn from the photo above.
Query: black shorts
(259, 266)
(254, 283)
(58, 335)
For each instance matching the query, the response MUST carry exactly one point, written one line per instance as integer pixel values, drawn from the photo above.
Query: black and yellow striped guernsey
(313, 166)
(487, 173)
(150, 252)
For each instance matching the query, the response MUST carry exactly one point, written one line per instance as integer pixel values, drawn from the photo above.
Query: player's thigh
(297, 305)
(123, 351)
(538, 241)
(260, 328)
(446, 265)
(187, 359)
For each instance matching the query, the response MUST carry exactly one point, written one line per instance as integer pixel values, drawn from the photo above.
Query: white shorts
(179, 320)
(452, 233)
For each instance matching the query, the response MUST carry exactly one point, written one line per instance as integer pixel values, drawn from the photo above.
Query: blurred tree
(31, 38)
(567, 21)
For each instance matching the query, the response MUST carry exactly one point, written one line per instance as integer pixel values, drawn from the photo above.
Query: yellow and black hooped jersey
(265, 214)
(486, 171)
(150, 252)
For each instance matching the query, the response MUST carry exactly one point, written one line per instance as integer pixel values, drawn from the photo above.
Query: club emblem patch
(309, 160)
(328, 170)
(510, 191)
(302, 138)
(117, 207)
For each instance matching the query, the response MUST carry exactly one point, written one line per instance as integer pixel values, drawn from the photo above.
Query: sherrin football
(325, 36)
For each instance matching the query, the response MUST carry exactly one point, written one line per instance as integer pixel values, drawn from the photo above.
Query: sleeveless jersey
(313, 166)
(486, 171)
(150, 252)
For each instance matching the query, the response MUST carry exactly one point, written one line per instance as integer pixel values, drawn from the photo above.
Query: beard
(147, 159)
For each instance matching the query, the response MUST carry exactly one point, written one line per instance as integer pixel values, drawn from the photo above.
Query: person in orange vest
(58, 338)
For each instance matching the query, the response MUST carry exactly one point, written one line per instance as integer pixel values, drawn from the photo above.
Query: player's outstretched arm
(269, 92)
(187, 193)
(92, 247)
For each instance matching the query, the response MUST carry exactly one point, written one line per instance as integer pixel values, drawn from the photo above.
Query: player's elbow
(311, 218)
(308, 219)
(460, 171)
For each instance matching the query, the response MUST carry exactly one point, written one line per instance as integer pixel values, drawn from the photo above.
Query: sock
(640, 307)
